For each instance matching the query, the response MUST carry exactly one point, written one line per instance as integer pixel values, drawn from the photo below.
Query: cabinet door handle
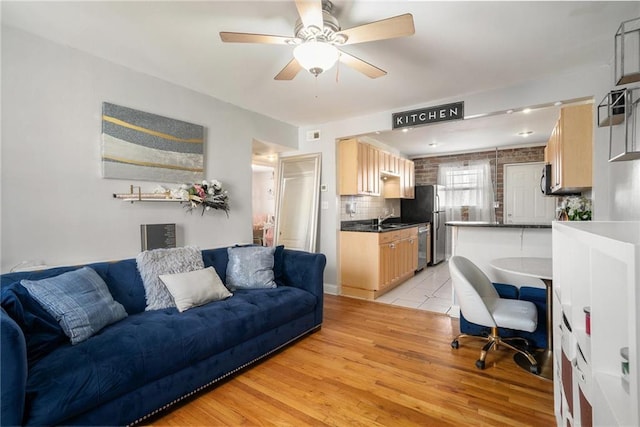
(392, 245)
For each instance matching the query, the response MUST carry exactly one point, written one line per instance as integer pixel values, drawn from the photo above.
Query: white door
(524, 202)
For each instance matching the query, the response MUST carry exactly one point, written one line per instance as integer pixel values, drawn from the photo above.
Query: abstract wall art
(143, 146)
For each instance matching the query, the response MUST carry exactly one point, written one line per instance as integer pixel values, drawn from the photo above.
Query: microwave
(545, 180)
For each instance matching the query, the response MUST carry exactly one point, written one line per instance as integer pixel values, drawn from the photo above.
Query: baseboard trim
(331, 289)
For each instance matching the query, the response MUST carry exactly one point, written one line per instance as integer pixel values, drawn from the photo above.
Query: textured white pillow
(195, 288)
(165, 261)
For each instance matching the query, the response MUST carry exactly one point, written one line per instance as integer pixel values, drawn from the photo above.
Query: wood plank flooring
(374, 364)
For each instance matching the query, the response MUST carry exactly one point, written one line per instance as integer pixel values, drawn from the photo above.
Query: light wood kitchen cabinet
(401, 185)
(407, 179)
(570, 150)
(362, 167)
(373, 263)
(358, 168)
(389, 163)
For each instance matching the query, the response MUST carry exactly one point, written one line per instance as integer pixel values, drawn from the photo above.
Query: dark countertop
(371, 226)
(493, 224)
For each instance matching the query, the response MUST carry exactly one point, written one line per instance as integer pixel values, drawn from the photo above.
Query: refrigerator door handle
(436, 218)
(437, 209)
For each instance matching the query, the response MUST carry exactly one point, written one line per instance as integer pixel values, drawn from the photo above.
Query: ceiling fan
(317, 36)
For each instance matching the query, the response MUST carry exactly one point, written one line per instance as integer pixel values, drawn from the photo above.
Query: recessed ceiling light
(509, 111)
(525, 133)
(557, 103)
(526, 110)
(405, 130)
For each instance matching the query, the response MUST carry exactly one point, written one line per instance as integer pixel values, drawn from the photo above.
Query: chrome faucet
(382, 218)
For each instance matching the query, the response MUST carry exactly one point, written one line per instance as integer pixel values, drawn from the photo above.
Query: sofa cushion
(151, 345)
(153, 263)
(79, 300)
(250, 267)
(41, 330)
(195, 288)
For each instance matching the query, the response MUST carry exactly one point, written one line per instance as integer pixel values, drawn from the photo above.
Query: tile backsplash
(367, 207)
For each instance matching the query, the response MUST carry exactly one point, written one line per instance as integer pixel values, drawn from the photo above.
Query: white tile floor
(428, 290)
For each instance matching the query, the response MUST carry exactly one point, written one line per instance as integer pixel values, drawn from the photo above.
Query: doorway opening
(264, 161)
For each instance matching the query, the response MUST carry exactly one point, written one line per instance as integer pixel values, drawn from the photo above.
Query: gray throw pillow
(250, 267)
(151, 264)
(79, 300)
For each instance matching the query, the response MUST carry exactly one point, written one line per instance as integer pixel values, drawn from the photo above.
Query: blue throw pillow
(41, 331)
(250, 267)
(79, 300)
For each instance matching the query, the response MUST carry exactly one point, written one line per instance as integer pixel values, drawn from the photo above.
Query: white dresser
(596, 265)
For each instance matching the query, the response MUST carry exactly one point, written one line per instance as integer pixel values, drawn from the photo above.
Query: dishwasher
(424, 246)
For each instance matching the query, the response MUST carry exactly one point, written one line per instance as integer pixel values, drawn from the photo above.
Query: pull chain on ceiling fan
(318, 36)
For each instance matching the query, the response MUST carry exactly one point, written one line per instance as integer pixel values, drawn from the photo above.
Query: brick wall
(427, 167)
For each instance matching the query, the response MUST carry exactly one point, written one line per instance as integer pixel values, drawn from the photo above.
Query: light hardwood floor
(375, 365)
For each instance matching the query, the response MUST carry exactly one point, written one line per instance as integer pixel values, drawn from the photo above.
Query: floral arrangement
(576, 208)
(208, 195)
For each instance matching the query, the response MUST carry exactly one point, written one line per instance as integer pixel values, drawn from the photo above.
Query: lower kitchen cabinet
(373, 263)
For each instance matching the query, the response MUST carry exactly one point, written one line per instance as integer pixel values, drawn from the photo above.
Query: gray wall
(56, 208)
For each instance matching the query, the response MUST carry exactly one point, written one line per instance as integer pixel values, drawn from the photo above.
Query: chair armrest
(506, 291)
(13, 378)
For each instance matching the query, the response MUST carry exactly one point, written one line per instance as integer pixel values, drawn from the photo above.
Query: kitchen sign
(425, 116)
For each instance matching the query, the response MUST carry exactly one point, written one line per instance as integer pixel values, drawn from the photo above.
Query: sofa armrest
(13, 378)
(305, 270)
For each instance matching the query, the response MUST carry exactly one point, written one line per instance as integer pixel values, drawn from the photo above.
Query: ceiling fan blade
(310, 12)
(289, 71)
(359, 65)
(397, 26)
(228, 37)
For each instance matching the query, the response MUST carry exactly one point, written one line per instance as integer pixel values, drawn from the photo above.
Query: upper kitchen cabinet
(366, 170)
(570, 150)
(358, 168)
(407, 179)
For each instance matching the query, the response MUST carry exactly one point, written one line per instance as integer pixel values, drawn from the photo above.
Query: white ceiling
(458, 48)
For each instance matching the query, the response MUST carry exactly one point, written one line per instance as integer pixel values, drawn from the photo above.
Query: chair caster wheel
(534, 369)
(455, 344)
(480, 364)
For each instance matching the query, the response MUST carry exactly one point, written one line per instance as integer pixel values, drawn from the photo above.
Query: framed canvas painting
(144, 146)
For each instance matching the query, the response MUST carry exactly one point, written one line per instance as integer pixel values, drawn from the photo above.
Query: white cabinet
(596, 265)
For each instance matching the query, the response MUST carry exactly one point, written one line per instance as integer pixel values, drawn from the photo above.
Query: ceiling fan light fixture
(315, 56)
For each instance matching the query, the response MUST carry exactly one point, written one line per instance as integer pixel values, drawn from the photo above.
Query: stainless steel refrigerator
(428, 206)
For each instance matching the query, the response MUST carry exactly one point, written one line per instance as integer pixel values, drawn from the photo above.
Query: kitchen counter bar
(493, 224)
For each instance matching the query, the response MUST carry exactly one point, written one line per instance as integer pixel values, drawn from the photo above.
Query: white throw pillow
(195, 288)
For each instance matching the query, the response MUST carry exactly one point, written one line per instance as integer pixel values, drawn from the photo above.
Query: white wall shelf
(597, 264)
(139, 196)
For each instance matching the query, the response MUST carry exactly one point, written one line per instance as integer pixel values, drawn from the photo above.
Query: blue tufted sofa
(537, 338)
(136, 367)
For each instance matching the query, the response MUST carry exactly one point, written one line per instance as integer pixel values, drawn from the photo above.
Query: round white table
(539, 268)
